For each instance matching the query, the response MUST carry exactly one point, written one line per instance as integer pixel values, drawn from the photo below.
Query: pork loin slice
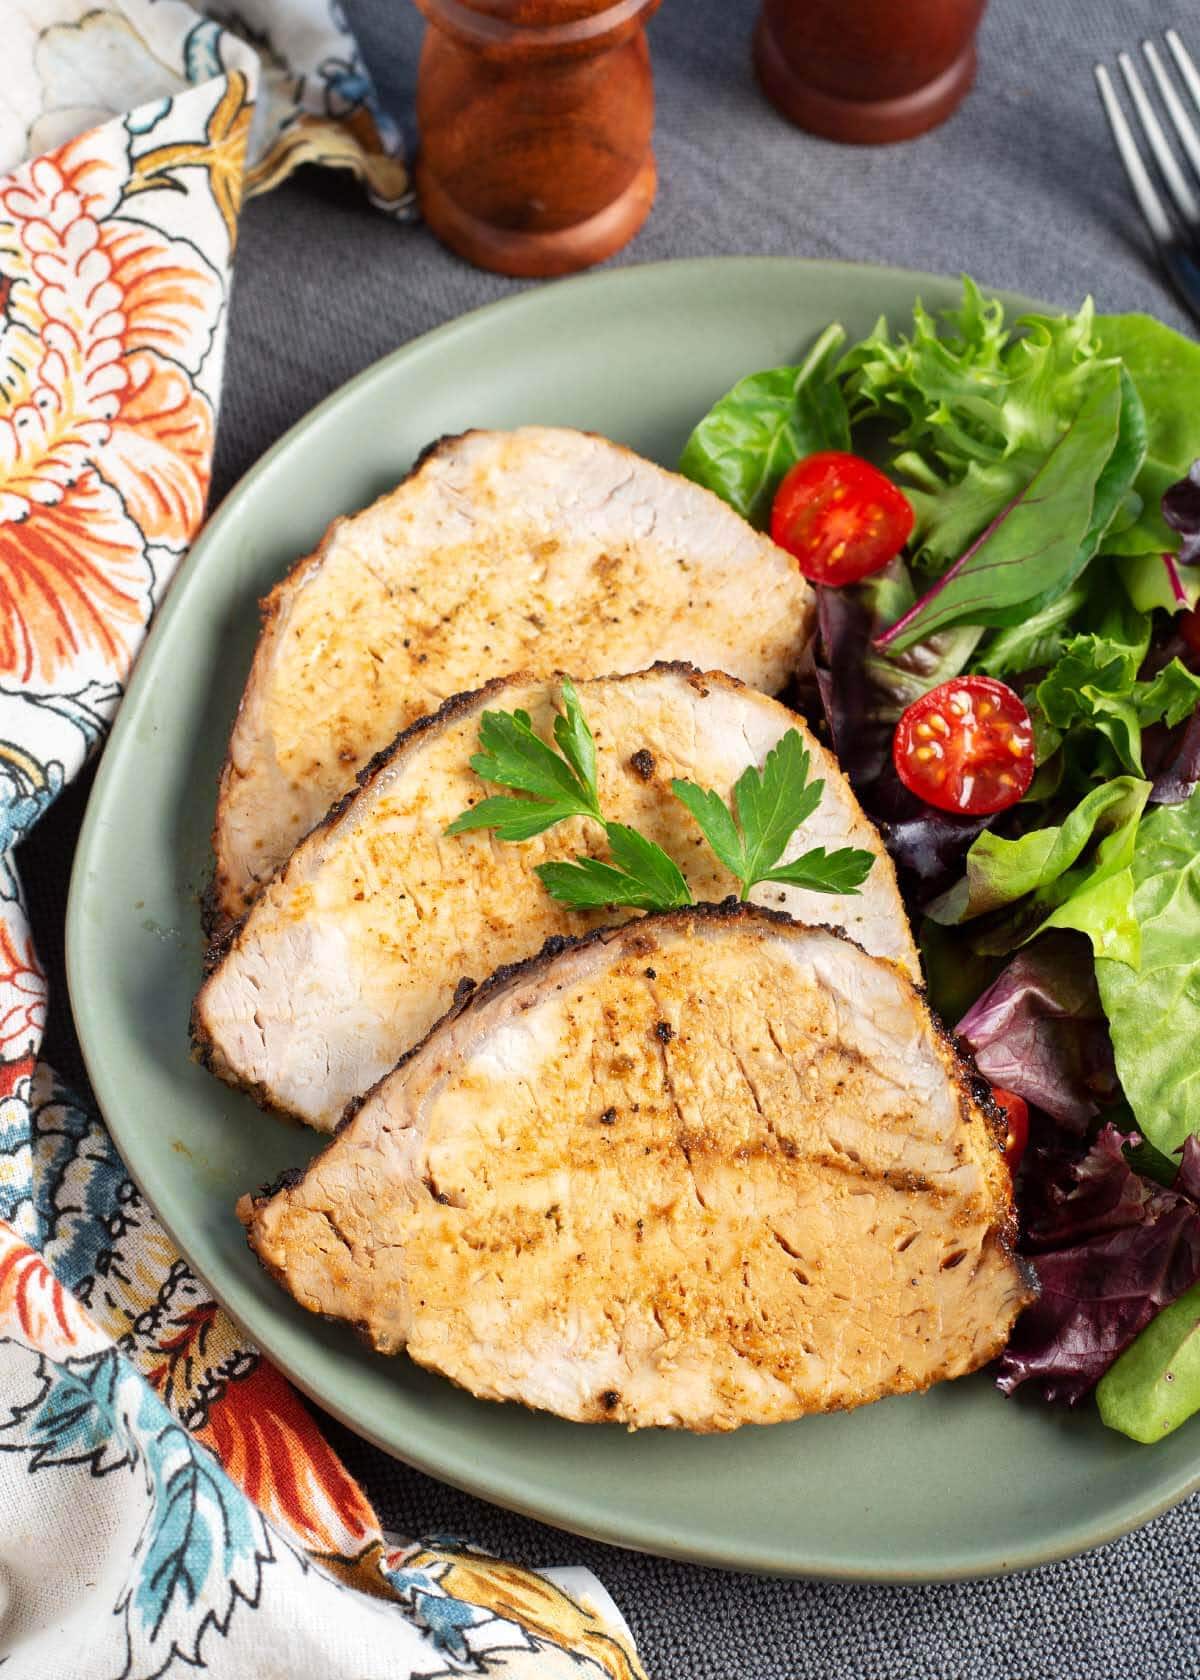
(710, 1168)
(355, 950)
(538, 549)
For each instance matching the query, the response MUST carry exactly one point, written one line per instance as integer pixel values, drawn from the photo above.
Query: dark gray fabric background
(1022, 188)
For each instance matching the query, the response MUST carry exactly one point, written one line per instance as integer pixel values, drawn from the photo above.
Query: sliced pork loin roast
(710, 1168)
(537, 549)
(355, 950)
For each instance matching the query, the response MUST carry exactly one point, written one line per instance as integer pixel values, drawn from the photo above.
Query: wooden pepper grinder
(535, 119)
(867, 70)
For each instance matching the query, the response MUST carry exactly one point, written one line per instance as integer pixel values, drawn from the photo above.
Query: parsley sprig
(749, 837)
(556, 786)
(769, 805)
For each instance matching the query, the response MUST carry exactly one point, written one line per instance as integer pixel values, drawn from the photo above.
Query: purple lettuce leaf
(1187, 1180)
(1181, 510)
(1178, 770)
(1111, 1250)
(1171, 757)
(926, 845)
(1039, 1030)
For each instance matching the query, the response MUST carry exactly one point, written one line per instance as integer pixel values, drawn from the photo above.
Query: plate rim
(497, 1488)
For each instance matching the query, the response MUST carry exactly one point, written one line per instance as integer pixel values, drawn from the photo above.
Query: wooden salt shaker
(867, 71)
(535, 120)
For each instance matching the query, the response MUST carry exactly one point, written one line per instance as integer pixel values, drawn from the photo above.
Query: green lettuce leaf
(1148, 583)
(1154, 1015)
(1169, 697)
(977, 408)
(1041, 875)
(1037, 640)
(1165, 367)
(1092, 687)
(1091, 702)
(1038, 545)
(769, 421)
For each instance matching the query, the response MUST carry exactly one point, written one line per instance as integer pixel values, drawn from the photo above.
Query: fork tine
(1185, 64)
(1184, 126)
(1144, 190)
(1178, 188)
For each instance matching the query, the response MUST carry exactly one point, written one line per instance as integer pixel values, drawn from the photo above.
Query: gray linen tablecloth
(1022, 188)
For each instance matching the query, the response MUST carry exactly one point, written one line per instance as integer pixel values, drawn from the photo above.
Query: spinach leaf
(1038, 545)
(1114, 488)
(1040, 873)
(1149, 533)
(769, 421)
(1154, 1015)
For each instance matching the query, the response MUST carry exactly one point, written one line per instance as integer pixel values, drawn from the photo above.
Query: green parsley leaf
(574, 738)
(769, 805)
(514, 819)
(513, 756)
(772, 803)
(843, 871)
(715, 821)
(638, 856)
(641, 877)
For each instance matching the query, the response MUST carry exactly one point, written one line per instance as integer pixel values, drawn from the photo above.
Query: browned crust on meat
(641, 939)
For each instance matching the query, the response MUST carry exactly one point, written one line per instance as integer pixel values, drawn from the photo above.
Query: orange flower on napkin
(106, 444)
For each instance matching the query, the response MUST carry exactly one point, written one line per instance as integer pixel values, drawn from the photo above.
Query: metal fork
(1175, 230)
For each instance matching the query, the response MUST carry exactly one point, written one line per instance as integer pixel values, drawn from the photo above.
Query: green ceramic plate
(958, 1482)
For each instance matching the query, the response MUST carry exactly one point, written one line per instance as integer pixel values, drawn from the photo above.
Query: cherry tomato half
(966, 746)
(1016, 1111)
(840, 517)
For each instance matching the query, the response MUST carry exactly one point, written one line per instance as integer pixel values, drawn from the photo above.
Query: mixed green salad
(1008, 666)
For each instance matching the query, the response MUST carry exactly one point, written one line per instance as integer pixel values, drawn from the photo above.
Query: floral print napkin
(167, 1501)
